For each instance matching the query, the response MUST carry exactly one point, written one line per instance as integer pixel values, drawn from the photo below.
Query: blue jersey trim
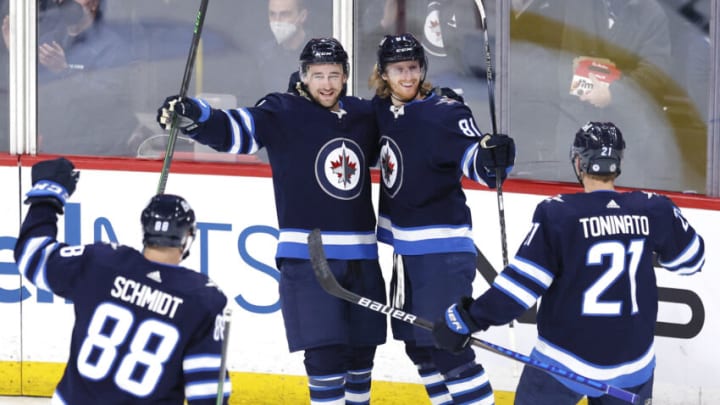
(429, 246)
(343, 252)
(593, 371)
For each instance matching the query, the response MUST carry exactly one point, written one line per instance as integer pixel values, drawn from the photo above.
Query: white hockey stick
(227, 318)
(330, 285)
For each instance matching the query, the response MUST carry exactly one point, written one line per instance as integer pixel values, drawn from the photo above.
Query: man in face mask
(277, 56)
(287, 18)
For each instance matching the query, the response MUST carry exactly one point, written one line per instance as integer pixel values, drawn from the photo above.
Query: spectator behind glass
(277, 57)
(83, 96)
(611, 64)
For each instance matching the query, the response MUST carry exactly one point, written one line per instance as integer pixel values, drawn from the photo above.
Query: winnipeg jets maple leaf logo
(343, 168)
(391, 166)
(340, 168)
(388, 166)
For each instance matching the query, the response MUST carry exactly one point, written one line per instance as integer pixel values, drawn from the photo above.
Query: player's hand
(53, 182)
(497, 151)
(189, 113)
(452, 331)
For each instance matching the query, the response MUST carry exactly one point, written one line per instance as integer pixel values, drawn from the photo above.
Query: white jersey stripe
(592, 371)
(516, 291)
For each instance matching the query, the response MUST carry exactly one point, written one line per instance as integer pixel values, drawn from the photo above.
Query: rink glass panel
(106, 104)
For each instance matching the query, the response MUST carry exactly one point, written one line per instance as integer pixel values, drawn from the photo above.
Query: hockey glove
(189, 113)
(497, 152)
(452, 331)
(449, 93)
(53, 182)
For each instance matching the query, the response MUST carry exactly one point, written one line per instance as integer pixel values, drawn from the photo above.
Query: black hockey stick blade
(484, 267)
(329, 283)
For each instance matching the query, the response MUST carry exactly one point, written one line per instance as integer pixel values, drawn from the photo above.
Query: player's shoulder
(648, 199)
(446, 105)
(557, 201)
(446, 112)
(110, 251)
(380, 103)
(276, 100)
(650, 202)
(201, 286)
(561, 206)
(356, 104)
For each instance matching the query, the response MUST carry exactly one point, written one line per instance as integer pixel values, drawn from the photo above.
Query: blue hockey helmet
(600, 146)
(168, 221)
(399, 48)
(323, 50)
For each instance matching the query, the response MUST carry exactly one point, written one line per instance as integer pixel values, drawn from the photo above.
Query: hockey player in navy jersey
(428, 142)
(590, 256)
(320, 145)
(147, 330)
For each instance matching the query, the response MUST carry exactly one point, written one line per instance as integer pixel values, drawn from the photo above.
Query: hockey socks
(327, 389)
(357, 387)
(468, 384)
(434, 384)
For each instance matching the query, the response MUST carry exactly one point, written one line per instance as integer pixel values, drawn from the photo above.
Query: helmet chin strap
(578, 172)
(303, 91)
(189, 239)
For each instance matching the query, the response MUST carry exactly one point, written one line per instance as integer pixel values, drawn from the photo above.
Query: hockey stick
(484, 267)
(330, 284)
(491, 102)
(170, 150)
(498, 172)
(227, 318)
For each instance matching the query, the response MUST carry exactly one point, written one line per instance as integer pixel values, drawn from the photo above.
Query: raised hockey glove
(189, 113)
(452, 331)
(449, 93)
(53, 182)
(497, 152)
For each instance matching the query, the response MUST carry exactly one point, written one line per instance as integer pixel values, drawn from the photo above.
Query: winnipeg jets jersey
(426, 146)
(144, 333)
(590, 257)
(320, 161)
